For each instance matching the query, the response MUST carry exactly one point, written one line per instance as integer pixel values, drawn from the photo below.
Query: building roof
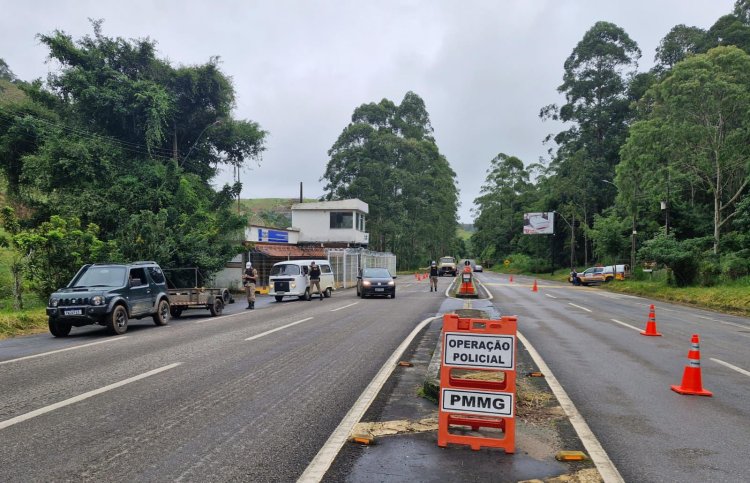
(291, 251)
(351, 204)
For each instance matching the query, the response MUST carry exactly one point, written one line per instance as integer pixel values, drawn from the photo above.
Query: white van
(289, 279)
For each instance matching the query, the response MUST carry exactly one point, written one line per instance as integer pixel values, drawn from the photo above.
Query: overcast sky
(300, 68)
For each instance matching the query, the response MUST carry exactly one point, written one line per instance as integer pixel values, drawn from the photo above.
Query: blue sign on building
(275, 236)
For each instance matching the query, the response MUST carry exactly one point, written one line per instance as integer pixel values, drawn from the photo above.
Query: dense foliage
(388, 158)
(120, 145)
(651, 166)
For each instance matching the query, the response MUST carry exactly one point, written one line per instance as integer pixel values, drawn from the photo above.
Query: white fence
(347, 262)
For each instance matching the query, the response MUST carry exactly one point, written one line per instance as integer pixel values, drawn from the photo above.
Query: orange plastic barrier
(466, 289)
(692, 382)
(651, 324)
(478, 382)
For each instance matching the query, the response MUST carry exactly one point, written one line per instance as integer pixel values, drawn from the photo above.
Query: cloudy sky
(484, 68)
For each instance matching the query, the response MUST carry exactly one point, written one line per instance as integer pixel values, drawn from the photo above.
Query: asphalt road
(620, 380)
(196, 400)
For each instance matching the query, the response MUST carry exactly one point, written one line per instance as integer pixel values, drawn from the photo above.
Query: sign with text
(479, 351)
(481, 403)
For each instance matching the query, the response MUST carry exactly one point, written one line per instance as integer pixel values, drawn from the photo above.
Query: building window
(342, 219)
(360, 222)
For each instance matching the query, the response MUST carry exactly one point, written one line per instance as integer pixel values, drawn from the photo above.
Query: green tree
(388, 158)
(680, 42)
(698, 124)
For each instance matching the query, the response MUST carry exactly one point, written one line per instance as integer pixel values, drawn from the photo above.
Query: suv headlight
(53, 302)
(293, 285)
(365, 283)
(391, 283)
(97, 300)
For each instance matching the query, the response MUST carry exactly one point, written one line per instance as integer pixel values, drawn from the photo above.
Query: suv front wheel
(117, 320)
(58, 328)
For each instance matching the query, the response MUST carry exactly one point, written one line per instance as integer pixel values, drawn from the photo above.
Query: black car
(109, 295)
(376, 281)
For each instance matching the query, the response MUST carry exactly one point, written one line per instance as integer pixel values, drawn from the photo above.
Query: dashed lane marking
(322, 461)
(81, 397)
(578, 306)
(550, 296)
(731, 366)
(345, 306)
(601, 459)
(625, 325)
(62, 350)
(263, 334)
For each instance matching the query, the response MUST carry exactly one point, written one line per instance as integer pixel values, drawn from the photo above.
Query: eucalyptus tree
(596, 88)
(698, 122)
(501, 205)
(388, 158)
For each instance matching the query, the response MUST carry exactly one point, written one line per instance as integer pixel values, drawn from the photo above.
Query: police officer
(433, 276)
(249, 279)
(315, 278)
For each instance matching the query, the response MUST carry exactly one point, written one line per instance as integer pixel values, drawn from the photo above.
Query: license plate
(280, 293)
(74, 312)
(380, 290)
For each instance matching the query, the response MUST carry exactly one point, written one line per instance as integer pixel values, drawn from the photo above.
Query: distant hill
(273, 212)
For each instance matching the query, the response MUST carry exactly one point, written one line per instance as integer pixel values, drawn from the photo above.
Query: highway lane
(620, 380)
(248, 396)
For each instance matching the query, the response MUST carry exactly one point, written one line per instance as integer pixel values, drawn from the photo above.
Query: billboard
(539, 223)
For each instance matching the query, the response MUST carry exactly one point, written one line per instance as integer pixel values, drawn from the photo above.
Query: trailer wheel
(216, 307)
(226, 296)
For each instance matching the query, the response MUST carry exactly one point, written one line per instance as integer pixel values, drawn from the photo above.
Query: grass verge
(23, 322)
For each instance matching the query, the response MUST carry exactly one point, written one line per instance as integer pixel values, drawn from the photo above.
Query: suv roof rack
(144, 262)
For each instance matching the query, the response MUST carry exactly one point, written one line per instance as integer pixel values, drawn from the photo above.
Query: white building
(339, 222)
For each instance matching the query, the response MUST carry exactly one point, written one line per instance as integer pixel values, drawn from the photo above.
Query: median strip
(81, 397)
(263, 334)
(63, 350)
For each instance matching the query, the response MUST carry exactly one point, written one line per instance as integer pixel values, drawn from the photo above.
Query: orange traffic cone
(511, 279)
(691, 378)
(651, 324)
(534, 288)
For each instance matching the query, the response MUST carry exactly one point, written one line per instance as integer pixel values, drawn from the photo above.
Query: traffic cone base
(700, 392)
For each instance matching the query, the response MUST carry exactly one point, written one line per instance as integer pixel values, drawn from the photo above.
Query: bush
(680, 257)
(735, 266)
(524, 263)
(709, 271)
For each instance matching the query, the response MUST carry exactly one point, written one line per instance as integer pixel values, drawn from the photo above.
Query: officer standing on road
(433, 276)
(249, 279)
(315, 279)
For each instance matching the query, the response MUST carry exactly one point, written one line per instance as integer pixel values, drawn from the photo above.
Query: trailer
(213, 299)
(182, 298)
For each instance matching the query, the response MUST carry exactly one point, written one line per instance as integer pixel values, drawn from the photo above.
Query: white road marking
(322, 461)
(489, 294)
(263, 334)
(731, 366)
(704, 317)
(626, 325)
(211, 319)
(578, 306)
(115, 339)
(550, 296)
(81, 397)
(345, 306)
(606, 468)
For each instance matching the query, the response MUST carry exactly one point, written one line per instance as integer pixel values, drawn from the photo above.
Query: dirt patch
(589, 475)
(387, 428)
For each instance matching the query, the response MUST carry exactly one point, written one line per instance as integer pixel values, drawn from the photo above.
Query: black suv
(109, 295)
